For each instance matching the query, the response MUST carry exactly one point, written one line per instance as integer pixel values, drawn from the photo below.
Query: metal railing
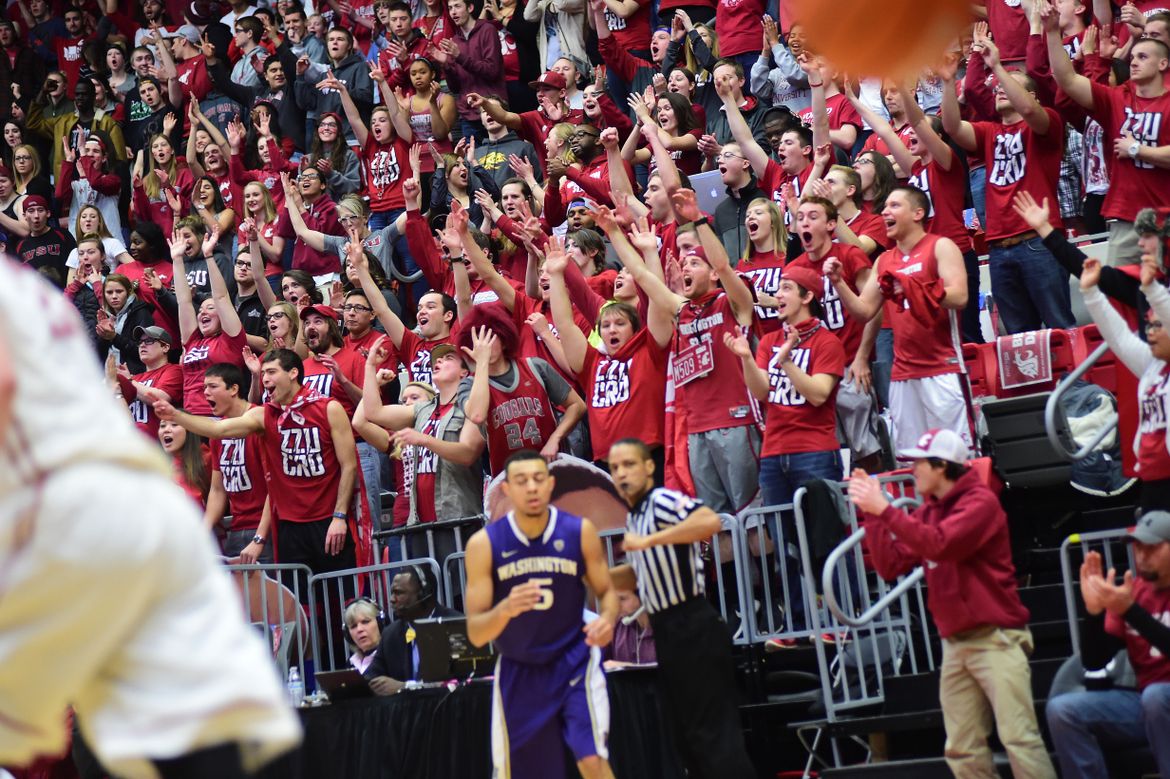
(1113, 544)
(329, 592)
(272, 599)
(438, 535)
(1053, 407)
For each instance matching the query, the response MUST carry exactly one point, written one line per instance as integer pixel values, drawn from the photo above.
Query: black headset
(379, 616)
(426, 587)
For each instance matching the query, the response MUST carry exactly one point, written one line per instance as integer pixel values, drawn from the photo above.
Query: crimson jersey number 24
(520, 439)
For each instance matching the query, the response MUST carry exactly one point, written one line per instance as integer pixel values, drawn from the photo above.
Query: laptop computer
(445, 652)
(344, 685)
(709, 189)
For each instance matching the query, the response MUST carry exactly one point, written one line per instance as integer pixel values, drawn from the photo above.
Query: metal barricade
(443, 538)
(272, 599)
(774, 604)
(1113, 546)
(874, 631)
(329, 592)
(1055, 420)
(457, 583)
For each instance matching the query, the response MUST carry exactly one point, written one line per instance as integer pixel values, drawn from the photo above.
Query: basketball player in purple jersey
(527, 573)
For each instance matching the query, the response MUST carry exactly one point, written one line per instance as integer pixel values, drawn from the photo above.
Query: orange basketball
(890, 38)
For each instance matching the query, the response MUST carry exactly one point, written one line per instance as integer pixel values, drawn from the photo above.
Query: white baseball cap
(940, 444)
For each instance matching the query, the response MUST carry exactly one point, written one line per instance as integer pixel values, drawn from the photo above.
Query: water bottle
(296, 687)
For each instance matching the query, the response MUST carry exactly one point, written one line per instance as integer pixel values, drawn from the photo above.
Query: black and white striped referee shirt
(667, 575)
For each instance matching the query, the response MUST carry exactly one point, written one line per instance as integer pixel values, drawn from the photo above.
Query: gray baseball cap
(1152, 528)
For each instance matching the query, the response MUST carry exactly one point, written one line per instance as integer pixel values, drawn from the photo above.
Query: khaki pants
(985, 678)
(1123, 246)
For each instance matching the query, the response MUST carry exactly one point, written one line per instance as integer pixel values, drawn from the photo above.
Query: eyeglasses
(862, 161)
(22, 158)
(1152, 326)
(730, 155)
(274, 316)
(147, 341)
(334, 125)
(347, 218)
(356, 307)
(243, 264)
(309, 177)
(585, 134)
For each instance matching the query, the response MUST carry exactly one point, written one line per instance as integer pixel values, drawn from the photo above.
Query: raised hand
(235, 134)
(482, 341)
(556, 259)
(1026, 207)
(172, 199)
(376, 74)
(170, 121)
(1090, 273)
(178, 250)
(67, 150)
(520, 166)
(458, 218)
(604, 219)
(866, 492)
(1091, 570)
(251, 360)
(210, 240)
(686, 207)
(1150, 269)
(643, 236)
(771, 33)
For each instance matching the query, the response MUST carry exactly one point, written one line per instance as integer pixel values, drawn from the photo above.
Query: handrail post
(1053, 405)
(827, 583)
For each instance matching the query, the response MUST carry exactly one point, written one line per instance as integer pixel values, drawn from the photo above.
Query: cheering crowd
(329, 251)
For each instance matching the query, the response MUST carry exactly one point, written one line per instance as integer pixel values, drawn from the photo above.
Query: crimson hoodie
(963, 541)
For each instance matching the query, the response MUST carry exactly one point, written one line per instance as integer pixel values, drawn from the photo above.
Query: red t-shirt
(233, 196)
(1009, 28)
(302, 464)
(267, 233)
(1019, 160)
(920, 351)
(194, 80)
(793, 424)
(201, 353)
(321, 379)
(715, 396)
(633, 33)
(70, 58)
(947, 192)
(415, 354)
(838, 109)
(169, 379)
(427, 465)
(1133, 184)
(535, 127)
(773, 181)
(1153, 458)
(835, 316)
(739, 26)
(625, 393)
(873, 226)
(387, 165)
(762, 272)
(875, 143)
(1148, 663)
(239, 461)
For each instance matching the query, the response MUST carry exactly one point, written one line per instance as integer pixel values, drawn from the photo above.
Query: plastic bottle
(296, 687)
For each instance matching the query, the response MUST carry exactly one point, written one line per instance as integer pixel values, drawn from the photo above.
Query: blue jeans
(1029, 288)
(1084, 724)
(370, 460)
(978, 178)
(883, 364)
(780, 477)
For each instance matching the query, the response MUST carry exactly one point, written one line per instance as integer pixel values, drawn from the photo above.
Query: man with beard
(334, 369)
(75, 125)
(412, 597)
(1132, 615)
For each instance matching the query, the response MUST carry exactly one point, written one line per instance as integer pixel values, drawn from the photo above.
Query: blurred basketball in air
(891, 38)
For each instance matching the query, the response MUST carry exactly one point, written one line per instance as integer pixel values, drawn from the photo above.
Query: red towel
(922, 299)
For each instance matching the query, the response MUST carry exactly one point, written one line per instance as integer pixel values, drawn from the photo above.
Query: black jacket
(141, 314)
(729, 218)
(395, 657)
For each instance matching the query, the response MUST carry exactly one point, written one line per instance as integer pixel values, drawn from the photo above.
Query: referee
(695, 672)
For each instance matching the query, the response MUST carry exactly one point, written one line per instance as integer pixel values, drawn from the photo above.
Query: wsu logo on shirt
(233, 467)
(922, 181)
(300, 450)
(1008, 161)
(611, 383)
(782, 393)
(384, 168)
(1145, 127)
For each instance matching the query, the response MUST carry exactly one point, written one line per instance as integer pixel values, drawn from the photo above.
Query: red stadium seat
(1104, 372)
(1062, 357)
(982, 371)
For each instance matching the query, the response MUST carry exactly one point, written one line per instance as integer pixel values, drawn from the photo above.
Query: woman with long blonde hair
(763, 258)
(260, 214)
(28, 176)
(91, 222)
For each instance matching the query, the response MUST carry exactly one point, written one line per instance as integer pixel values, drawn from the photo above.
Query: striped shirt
(667, 575)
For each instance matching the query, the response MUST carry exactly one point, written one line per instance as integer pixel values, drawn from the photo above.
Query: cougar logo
(1027, 362)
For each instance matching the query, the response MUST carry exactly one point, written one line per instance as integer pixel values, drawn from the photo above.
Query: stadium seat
(1061, 357)
(982, 371)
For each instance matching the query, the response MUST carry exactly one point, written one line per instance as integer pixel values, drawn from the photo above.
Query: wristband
(340, 515)
(258, 539)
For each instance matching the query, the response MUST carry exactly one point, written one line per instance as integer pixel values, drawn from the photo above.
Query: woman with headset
(363, 631)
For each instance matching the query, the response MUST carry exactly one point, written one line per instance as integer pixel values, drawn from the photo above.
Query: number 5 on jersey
(546, 595)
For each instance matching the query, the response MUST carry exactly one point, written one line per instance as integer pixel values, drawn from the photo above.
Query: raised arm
(457, 222)
(361, 133)
(188, 318)
(1020, 98)
(229, 318)
(493, 109)
(573, 341)
(939, 149)
(952, 119)
(654, 287)
(1073, 84)
(902, 156)
(479, 398)
(740, 130)
(251, 421)
(738, 294)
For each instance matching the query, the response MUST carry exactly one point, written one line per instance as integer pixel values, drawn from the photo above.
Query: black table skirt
(436, 734)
